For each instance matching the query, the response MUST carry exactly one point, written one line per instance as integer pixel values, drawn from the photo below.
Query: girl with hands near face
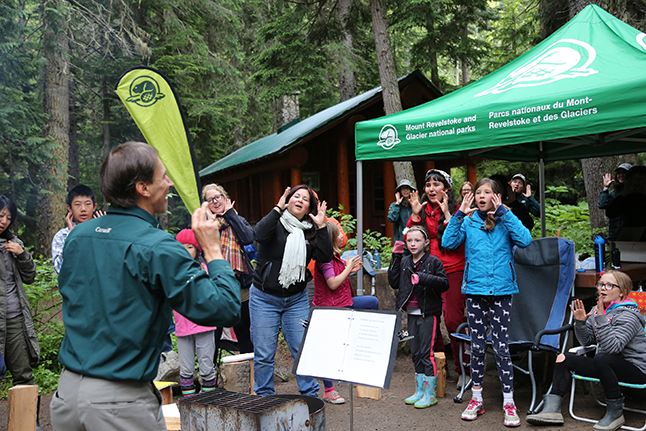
(617, 328)
(489, 232)
(332, 289)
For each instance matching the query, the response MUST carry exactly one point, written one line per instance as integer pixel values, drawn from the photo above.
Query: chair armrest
(537, 339)
(461, 327)
(582, 350)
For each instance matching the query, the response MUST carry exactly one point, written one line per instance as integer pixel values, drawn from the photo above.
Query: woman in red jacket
(433, 211)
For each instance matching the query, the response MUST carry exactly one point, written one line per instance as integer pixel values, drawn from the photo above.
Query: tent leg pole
(541, 180)
(360, 223)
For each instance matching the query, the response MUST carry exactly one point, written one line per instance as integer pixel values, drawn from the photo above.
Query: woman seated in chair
(617, 327)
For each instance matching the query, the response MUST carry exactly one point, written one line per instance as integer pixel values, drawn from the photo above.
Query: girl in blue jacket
(489, 232)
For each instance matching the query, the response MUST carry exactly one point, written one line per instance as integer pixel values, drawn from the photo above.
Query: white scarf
(294, 263)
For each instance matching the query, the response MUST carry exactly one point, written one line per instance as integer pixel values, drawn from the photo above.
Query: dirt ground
(390, 412)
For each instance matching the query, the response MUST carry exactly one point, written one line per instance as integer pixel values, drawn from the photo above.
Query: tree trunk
(463, 62)
(388, 77)
(346, 73)
(12, 178)
(106, 119)
(74, 171)
(577, 6)
(593, 170)
(51, 211)
(385, 59)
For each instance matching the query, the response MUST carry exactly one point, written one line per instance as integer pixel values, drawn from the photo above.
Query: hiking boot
(511, 418)
(333, 397)
(473, 410)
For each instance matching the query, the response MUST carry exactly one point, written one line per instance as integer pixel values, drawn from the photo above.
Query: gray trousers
(84, 403)
(17, 352)
(202, 344)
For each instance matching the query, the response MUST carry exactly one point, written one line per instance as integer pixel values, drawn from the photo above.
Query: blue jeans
(365, 303)
(269, 314)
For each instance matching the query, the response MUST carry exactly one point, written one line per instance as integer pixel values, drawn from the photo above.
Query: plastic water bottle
(377, 259)
(599, 254)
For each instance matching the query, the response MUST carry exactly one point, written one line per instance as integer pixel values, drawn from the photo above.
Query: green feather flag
(155, 107)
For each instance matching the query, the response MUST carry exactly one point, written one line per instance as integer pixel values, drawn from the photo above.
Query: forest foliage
(231, 61)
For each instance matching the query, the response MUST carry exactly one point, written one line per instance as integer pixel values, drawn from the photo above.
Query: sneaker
(511, 415)
(473, 410)
(333, 397)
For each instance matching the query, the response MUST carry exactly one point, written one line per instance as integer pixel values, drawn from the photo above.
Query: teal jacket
(398, 215)
(489, 254)
(121, 277)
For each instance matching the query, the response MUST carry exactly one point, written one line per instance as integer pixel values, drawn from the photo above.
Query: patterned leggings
(483, 311)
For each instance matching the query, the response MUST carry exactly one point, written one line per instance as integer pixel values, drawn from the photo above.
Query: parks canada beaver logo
(388, 137)
(144, 91)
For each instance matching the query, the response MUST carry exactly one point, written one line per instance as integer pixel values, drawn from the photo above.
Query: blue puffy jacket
(489, 266)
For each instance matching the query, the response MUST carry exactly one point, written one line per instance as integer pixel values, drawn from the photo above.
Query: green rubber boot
(430, 393)
(419, 392)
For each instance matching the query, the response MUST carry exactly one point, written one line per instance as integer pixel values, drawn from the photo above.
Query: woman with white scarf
(288, 237)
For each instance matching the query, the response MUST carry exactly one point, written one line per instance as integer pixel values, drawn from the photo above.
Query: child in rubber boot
(617, 328)
(489, 233)
(421, 280)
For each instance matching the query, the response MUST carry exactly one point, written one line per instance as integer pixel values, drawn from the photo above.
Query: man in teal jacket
(121, 277)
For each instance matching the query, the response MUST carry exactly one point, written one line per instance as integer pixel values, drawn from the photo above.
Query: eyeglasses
(606, 286)
(215, 198)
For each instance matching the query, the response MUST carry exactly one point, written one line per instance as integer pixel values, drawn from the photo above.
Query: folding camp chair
(576, 377)
(545, 276)
(639, 298)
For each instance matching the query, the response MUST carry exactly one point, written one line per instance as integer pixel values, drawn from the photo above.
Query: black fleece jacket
(271, 236)
(432, 282)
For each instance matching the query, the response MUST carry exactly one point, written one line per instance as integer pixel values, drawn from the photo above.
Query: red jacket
(453, 260)
(326, 297)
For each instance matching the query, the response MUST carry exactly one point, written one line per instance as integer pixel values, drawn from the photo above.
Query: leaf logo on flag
(144, 91)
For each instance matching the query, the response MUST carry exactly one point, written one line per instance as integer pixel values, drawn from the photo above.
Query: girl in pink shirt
(332, 289)
(192, 338)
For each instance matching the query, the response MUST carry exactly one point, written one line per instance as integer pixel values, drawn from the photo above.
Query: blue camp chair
(545, 276)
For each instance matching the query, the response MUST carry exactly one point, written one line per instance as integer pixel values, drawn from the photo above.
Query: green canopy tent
(580, 93)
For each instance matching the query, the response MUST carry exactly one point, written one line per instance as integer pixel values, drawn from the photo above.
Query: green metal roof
(278, 143)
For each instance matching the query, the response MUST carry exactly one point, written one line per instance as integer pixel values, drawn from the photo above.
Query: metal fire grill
(221, 410)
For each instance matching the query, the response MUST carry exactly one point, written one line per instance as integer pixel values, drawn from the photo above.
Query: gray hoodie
(618, 332)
